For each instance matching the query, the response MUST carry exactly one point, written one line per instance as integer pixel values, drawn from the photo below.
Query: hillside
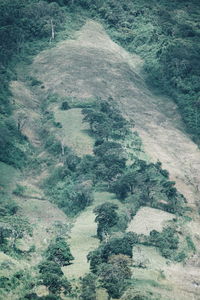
(100, 186)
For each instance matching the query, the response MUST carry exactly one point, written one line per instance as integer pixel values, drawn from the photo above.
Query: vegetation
(106, 217)
(59, 252)
(57, 255)
(115, 275)
(88, 287)
(167, 36)
(113, 246)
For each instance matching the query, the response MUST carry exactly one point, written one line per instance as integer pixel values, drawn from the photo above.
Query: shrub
(65, 105)
(59, 252)
(88, 287)
(19, 190)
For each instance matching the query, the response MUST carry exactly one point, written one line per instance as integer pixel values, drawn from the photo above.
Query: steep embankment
(92, 65)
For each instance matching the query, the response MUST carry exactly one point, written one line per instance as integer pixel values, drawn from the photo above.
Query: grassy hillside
(78, 192)
(167, 36)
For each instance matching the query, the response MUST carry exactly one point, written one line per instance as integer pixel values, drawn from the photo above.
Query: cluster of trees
(148, 185)
(10, 137)
(167, 241)
(139, 184)
(111, 263)
(12, 226)
(22, 24)
(57, 255)
(106, 121)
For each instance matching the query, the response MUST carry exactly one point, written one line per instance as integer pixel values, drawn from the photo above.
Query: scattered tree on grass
(106, 218)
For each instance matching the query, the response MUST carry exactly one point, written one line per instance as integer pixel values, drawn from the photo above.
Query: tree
(65, 105)
(88, 287)
(16, 228)
(59, 252)
(56, 283)
(106, 218)
(50, 267)
(115, 275)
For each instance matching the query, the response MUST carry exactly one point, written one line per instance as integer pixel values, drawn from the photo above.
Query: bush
(19, 190)
(35, 82)
(88, 287)
(59, 252)
(167, 241)
(65, 105)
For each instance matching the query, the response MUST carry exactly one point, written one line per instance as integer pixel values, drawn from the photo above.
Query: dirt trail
(92, 65)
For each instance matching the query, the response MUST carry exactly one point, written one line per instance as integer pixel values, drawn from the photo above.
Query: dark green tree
(88, 287)
(59, 252)
(106, 218)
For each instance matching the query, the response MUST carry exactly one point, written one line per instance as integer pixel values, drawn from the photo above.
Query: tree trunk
(52, 31)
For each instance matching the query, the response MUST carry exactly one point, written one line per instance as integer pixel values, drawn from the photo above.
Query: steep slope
(94, 66)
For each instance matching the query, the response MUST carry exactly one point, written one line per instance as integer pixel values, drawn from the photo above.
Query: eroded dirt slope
(92, 65)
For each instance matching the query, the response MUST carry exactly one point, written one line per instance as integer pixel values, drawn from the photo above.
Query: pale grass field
(92, 65)
(83, 236)
(74, 133)
(148, 219)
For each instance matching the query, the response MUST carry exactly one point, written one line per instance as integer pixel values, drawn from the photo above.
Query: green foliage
(19, 190)
(13, 228)
(22, 281)
(35, 82)
(106, 218)
(10, 136)
(190, 244)
(88, 287)
(7, 206)
(70, 196)
(106, 121)
(115, 274)
(167, 241)
(59, 252)
(145, 184)
(50, 267)
(56, 284)
(57, 255)
(53, 145)
(114, 246)
(166, 35)
(65, 105)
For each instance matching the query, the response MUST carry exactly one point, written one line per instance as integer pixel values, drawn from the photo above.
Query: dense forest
(167, 37)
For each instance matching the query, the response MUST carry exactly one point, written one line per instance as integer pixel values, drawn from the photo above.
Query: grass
(83, 236)
(8, 177)
(74, 132)
(148, 219)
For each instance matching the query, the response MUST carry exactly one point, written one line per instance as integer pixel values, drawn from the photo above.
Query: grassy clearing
(148, 219)
(83, 236)
(74, 132)
(43, 216)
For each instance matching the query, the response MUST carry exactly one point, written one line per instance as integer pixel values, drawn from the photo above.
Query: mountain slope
(93, 66)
